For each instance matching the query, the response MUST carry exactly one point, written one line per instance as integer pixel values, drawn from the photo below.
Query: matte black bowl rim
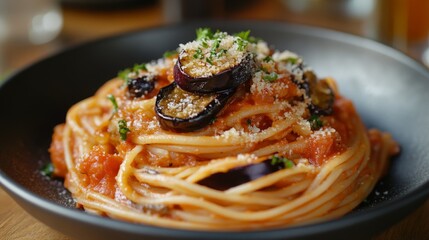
(414, 197)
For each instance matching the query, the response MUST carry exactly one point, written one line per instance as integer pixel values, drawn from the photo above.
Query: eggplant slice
(141, 86)
(321, 94)
(322, 98)
(236, 176)
(181, 111)
(225, 79)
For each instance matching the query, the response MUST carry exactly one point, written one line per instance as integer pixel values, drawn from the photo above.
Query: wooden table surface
(15, 223)
(83, 25)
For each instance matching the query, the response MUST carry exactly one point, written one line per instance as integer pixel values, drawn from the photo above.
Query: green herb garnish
(123, 74)
(268, 59)
(270, 77)
(221, 52)
(242, 40)
(276, 160)
(204, 43)
(291, 60)
(241, 44)
(252, 39)
(138, 67)
(114, 103)
(123, 129)
(215, 46)
(204, 33)
(219, 34)
(168, 54)
(47, 170)
(135, 69)
(209, 60)
(243, 35)
(198, 54)
(315, 122)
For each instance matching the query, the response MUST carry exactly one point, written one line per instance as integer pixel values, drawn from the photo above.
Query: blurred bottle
(27, 22)
(403, 24)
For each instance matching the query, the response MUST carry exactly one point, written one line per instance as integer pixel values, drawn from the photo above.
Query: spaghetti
(119, 161)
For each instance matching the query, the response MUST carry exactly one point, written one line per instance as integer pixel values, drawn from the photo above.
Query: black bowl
(388, 88)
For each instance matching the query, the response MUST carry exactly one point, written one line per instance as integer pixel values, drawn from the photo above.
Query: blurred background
(32, 29)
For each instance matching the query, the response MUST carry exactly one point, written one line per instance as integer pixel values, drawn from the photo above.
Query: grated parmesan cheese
(323, 133)
(182, 104)
(205, 58)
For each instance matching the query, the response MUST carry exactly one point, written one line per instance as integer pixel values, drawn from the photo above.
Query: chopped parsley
(315, 122)
(253, 39)
(204, 33)
(168, 54)
(242, 40)
(243, 35)
(291, 60)
(138, 67)
(198, 54)
(215, 47)
(114, 103)
(135, 69)
(276, 160)
(47, 170)
(270, 77)
(204, 43)
(268, 59)
(221, 52)
(124, 74)
(241, 44)
(211, 41)
(123, 129)
(216, 44)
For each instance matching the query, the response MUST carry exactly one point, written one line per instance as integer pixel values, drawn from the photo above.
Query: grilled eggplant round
(181, 111)
(223, 80)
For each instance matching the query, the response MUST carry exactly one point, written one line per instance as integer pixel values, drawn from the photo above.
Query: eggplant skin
(201, 120)
(141, 86)
(224, 80)
(225, 180)
(321, 94)
(322, 97)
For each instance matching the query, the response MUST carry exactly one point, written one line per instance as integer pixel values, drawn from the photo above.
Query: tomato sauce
(99, 170)
(57, 152)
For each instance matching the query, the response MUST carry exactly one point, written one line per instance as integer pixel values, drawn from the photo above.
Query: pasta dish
(224, 133)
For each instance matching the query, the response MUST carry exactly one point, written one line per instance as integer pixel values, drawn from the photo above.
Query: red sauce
(259, 121)
(57, 152)
(282, 89)
(99, 170)
(320, 148)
